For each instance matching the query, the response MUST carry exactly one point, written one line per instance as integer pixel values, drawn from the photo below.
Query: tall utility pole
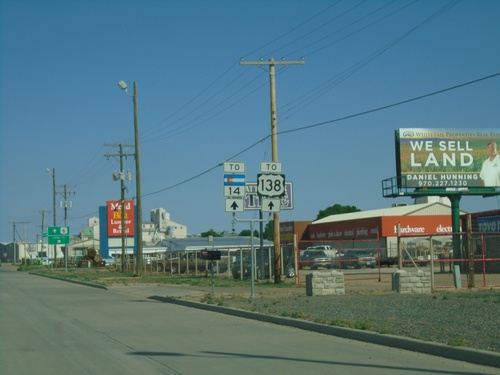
(65, 204)
(14, 231)
(123, 86)
(138, 183)
(53, 172)
(274, 146)
(43, 228)
(122, 196)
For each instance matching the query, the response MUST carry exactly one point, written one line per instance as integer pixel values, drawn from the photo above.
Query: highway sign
(58, 231)
(252, 199)
(271, 204)
(234, 185)
(270, 167)
(58, 235)
(234, 167)
(271, 185)
(235, 204)
(88, 232)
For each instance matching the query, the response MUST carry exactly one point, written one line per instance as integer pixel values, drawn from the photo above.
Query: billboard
(488, 223)
(443, 158)
(114, 210)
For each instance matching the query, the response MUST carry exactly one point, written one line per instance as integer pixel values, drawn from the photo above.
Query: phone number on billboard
(447, 183)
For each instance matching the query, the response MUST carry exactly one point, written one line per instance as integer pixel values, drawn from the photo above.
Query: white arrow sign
(235, 205)
(271, 204)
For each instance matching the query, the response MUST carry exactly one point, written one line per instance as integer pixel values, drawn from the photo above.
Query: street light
(124, 86)
(53, 172)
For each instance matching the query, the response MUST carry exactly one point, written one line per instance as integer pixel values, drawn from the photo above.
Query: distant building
(374, 227)
(159, 228)
(91, 231)
(163, 227)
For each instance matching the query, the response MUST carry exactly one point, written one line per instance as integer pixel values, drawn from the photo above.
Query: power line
(293, 28)
(328, 85)
(174, 127)
(390, 105)
(326, 123)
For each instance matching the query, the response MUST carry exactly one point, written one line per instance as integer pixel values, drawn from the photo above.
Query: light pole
(122, 199)
(53, 172)
(123, 86)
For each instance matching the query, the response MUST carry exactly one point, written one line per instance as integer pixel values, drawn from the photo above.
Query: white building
(161, 227)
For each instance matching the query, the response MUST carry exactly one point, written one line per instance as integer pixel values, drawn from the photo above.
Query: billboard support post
(455, 224)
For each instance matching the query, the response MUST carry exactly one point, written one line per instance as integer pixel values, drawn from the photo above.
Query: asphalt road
(54, 327)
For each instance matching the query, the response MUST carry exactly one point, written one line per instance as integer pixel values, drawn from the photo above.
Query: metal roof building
(427, 209)
(210, 243)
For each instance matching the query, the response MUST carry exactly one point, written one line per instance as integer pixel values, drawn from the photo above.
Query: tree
(269, 231)
(212, 233)
(246, 233)
(336, 209)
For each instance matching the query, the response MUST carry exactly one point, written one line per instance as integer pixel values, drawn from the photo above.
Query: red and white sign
(383, 226)
(114, 209)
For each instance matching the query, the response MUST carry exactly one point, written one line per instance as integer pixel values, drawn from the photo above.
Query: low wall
(325, 283)
(418, 282)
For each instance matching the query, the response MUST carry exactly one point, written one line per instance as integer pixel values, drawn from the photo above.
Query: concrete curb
(71, 281)
(479, 357)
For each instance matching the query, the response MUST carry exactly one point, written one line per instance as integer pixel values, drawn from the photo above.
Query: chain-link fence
(234, 262)
(462, 260)
(473, 259)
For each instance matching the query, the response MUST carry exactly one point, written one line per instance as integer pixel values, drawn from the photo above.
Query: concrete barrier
(325, 283)
(418, 282)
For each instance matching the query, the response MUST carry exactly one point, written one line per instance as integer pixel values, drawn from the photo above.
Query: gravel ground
(459, 318)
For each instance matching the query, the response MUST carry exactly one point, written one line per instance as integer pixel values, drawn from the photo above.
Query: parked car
(329, 251)
(263, 269)
(384, 260)
(366, 259)
(109, 261)
(360, 259)
(47, 261)
(348, 260)
(317, 258)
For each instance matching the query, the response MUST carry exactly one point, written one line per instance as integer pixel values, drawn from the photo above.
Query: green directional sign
(88, 232)
(58, 235)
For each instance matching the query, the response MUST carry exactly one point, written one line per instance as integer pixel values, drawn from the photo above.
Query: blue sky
(198, 107)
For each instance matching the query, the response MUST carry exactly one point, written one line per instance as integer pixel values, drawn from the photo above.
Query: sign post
(269, 194)
(252, 252)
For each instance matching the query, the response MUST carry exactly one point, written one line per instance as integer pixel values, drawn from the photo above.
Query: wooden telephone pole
(274, 146)
(121, 177)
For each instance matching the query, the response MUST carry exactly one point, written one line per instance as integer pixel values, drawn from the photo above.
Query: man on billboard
(490, 171)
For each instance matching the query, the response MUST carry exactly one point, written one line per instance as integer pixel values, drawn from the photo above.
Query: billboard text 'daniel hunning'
(444, 158)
